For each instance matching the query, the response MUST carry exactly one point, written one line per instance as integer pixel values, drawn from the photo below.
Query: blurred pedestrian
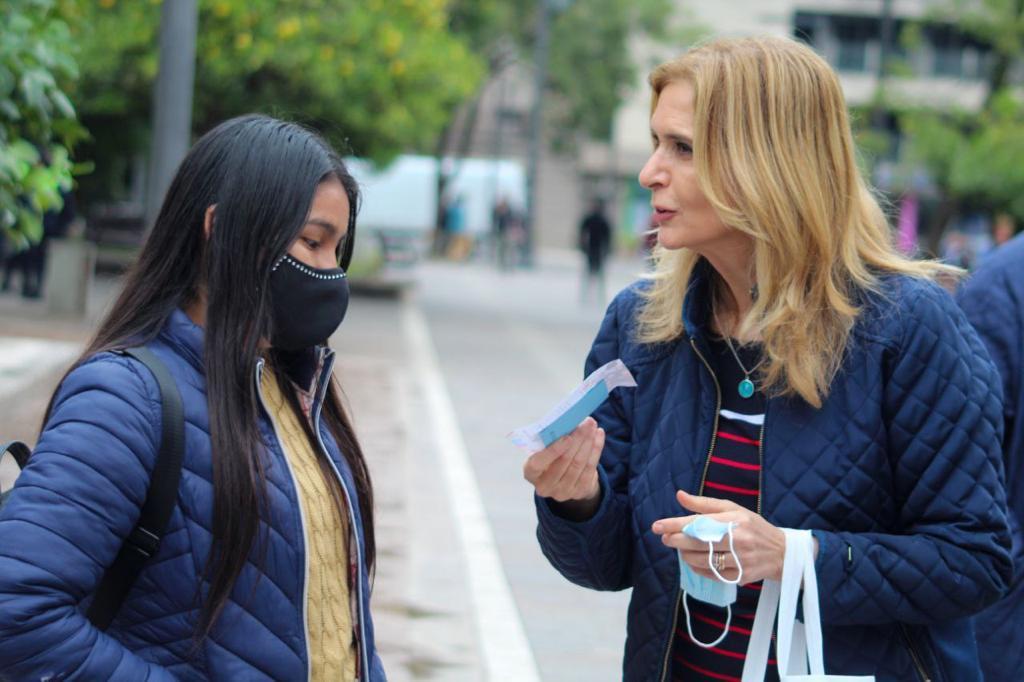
(595, 241)
(13, 263)
(442, 238)
(55, 226)
(460, 241)
(502, 219)
(793, 370)
(1003, 229)
(956, 250)
(993, 300)
(263, 568)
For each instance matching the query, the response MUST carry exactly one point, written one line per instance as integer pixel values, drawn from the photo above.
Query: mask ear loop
(728, 613)
(689, 626)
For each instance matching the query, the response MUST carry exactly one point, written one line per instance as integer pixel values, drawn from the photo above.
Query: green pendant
(746, 388)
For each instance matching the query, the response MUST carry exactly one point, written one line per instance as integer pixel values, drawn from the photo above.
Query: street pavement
(434, 379)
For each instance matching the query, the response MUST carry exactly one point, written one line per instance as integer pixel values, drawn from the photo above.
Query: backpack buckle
(143, 541)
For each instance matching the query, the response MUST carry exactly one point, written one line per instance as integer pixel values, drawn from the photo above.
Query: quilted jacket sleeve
(949, 557)
(596, 553)
(991, 303)
(80, 495)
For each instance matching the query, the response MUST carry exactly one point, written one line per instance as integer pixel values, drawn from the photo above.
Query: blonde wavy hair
(775, 157)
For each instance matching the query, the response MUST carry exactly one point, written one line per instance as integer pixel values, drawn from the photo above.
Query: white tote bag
(798, 643)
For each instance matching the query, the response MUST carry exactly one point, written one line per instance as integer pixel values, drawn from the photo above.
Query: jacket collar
(308, 368)
(697, 304)
(185, 337)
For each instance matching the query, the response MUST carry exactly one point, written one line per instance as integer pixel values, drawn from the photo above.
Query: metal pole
(499, 130)
(172, 99)
(884, 52)
(540, 63)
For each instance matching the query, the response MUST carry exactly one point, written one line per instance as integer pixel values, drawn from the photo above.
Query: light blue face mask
(720, 592)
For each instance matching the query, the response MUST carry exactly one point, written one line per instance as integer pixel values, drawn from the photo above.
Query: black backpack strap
(21, 453)
(144, 540)
(18, 450)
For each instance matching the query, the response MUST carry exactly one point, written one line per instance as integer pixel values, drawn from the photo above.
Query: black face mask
(307, 304)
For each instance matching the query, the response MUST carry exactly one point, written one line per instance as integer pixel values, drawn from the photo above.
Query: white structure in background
(403, 196)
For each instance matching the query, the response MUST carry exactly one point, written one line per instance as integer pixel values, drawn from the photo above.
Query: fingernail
(656, 527)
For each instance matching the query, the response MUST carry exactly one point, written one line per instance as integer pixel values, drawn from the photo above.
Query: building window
(947, 51)
(853, 35)
(804, 26)
(852, 43)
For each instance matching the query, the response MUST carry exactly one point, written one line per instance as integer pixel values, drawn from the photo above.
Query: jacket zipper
(760, 459)
(365, 672)
(700, 491)
(921, 672)
(302, 519)
(361, 645)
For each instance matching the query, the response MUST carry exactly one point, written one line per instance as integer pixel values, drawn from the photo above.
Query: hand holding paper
(566, 444)
(566, 471)
(574, 408)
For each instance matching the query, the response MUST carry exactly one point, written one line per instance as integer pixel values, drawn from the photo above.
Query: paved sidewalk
(423, 617)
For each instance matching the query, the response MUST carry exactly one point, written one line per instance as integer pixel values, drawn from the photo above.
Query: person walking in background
(439, 245)
(263, 571)
(56, 225)
(460, 242)
(595, 241)
(793, 370)
(502, 220)
(993, 300)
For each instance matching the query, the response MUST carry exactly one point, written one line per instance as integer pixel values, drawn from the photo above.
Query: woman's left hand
(759, 545)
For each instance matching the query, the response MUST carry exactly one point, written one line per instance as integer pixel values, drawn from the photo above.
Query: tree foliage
(988, 168)
(974, 157)
(590, 65)
(375, 76)
(37, 120)
(378, 77)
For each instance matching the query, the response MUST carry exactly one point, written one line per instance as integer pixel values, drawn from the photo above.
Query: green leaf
(36, 70)
(30, 224)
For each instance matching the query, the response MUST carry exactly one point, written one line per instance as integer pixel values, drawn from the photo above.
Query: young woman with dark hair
(263, 571)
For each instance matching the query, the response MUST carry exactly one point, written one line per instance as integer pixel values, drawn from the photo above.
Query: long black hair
(260, 174)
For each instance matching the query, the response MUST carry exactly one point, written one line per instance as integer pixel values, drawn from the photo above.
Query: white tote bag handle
(797, 645)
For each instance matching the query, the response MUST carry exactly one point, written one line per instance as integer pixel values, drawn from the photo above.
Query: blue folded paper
(583, 408)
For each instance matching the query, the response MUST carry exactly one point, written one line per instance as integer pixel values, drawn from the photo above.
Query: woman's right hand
(566, 470)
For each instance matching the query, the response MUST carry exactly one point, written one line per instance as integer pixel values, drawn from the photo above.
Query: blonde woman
(793, 371)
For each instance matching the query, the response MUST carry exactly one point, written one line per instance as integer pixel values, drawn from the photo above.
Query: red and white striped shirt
(734, 473)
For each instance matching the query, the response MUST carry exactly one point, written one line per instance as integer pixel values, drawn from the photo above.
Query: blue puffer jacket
(81, 495)
(993, 300)
(899, 475)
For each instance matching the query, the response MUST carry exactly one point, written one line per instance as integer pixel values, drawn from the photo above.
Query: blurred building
(945, 68)
(497, 126)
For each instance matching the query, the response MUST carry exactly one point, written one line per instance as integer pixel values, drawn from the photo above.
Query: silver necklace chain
(732, 350)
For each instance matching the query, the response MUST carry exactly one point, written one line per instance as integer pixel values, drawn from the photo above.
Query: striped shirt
(733, 473)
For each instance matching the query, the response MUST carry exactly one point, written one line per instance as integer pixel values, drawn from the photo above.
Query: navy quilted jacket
(899, 475)
(993, 300)
(80, 496)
